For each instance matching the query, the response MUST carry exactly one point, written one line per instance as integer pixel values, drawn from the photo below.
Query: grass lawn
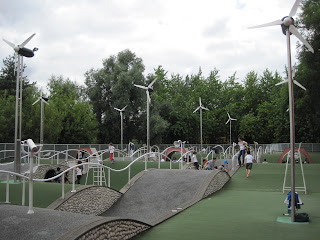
(246, 209)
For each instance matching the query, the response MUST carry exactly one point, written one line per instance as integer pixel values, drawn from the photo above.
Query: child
(195, 160)
(111, 149)
(205, 164)
(248, 160)
(226, 166)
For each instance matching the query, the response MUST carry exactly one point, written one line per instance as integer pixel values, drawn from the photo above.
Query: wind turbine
(42, 100)
(230, 119)
(121, 117)
(288, 28)
(201, 107)
(20, 52)
(148, 89)
(294, 80)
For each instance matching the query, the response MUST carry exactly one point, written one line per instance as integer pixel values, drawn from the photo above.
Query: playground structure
(297, 158)
(92, 160)
(102, 175)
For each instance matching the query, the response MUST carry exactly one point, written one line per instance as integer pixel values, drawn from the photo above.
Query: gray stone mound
(159, 194)
(88, 200)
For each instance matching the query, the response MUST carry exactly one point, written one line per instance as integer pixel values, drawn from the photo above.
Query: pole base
(30, 211)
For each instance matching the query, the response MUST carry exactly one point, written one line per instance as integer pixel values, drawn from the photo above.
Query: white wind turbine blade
(294, 8)
(295, 32)
(117, 109)
(151, 84)
(124, 108)
(204, 108)
(277, 22)
(228, 121)
(26, 41)
(196, 109)
(148, 96)
(9, 43)
(139, 86)
(233, 119)
(200, 104)
(285, 81)
(36, 101)
(299, 85)
(293, 72)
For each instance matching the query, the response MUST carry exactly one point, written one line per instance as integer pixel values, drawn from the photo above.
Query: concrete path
(44, 224)
(158, 194)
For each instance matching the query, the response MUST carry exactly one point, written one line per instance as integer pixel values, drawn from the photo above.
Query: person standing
(111, 150)
(248, 161)
(79, 174)
(242, 150)
(195, 160)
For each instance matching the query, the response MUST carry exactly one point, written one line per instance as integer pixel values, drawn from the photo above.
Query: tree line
(86, 114)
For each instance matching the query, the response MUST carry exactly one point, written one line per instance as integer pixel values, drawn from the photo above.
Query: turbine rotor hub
(287, 21)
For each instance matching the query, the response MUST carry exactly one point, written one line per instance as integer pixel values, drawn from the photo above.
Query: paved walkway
(44, 224)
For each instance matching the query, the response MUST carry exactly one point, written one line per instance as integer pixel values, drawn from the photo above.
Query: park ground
(246, 208)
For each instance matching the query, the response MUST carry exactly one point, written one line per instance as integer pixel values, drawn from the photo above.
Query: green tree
(112, 86)
(307, 103)
(68, 117)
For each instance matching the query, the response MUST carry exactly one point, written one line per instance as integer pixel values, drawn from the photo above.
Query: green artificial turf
(246, 208)
(274, 157)
(44, 193)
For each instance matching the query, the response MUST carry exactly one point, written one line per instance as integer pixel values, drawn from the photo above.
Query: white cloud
(181, 35)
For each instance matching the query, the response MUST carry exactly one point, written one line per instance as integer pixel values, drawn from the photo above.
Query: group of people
(209, 165)
(247, 158)
(244, 153)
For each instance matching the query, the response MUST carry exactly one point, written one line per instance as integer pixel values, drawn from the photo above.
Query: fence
(7, 149)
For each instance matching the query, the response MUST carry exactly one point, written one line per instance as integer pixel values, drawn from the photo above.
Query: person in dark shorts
(248, 160)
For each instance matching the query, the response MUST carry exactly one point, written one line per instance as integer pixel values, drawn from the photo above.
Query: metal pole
(148, 130)
(16, 125)
(7, 189)
(292, 130)
(121, 129)
(181, 154)
(23, 192)
(73, 180)
(109, 179)
(41, 121)
(230, 132)
(201, 135)
(30, 211)
(20, 98)
(129, 175)
(62, 183)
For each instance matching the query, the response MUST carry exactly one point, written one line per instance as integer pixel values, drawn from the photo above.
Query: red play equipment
(171, 150)
(302, 150)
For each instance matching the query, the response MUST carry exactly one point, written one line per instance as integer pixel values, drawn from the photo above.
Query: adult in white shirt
(248, 161)
(242, 150)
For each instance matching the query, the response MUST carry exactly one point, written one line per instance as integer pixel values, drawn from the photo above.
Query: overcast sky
(74, 36)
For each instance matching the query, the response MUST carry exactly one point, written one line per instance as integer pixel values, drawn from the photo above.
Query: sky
(74, 36)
